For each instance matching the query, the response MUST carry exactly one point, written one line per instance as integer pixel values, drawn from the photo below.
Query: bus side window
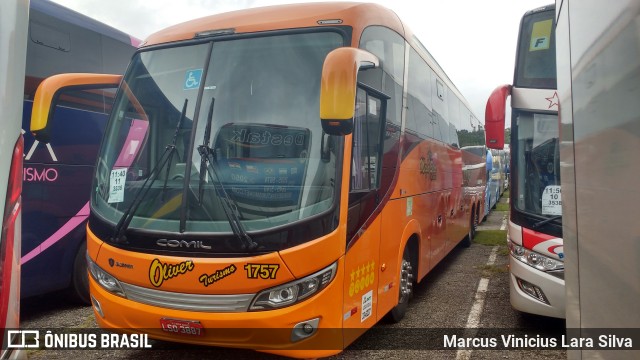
(367, 141)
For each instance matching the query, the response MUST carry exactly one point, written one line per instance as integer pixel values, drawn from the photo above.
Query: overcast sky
(473, 40)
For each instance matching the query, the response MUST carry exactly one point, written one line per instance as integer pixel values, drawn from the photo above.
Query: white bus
(598, 76)
(535, 207)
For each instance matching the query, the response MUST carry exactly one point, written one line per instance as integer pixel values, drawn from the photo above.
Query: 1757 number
(261, 271)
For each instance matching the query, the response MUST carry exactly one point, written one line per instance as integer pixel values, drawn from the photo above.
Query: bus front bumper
(285, 331)
(523, 277)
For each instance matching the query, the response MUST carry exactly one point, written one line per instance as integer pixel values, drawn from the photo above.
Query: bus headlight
(295, 291)
(106, 280)
(535, 260)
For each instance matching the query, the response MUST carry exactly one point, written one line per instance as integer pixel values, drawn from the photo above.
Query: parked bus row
(58, 169)
(58, 165)
(495, 164)
(317, 162)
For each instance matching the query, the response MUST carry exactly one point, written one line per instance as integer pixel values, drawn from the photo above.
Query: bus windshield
(538, 174)
(253, 103)
(536, 64)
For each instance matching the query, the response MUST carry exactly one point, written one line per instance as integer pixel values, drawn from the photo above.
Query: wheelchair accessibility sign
(192, 79)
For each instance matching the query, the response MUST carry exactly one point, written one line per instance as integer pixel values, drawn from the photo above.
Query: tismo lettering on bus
(44, 174)
(265, 137)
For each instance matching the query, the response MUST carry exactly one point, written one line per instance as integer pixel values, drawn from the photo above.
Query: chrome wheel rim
(406, 281)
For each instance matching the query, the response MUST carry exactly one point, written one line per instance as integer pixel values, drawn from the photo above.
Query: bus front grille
(188, 302)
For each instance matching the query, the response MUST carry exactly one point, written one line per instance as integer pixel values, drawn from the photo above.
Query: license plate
(182, 327)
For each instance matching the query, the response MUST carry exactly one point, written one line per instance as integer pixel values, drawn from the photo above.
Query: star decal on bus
(553, 100)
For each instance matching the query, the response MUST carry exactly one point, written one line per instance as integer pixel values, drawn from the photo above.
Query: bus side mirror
(494, 117)
(49, 91)
(338, 87)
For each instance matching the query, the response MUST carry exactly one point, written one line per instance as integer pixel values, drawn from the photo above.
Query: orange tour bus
(274, 178)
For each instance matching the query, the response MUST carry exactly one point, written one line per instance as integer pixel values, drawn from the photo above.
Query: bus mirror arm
(338, 87)
(325, 147)
(49, 91)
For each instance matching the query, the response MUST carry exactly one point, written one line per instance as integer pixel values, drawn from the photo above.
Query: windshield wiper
(204, 150)
(545, 221)
(127, 216)
(209, 163)
(173, 144)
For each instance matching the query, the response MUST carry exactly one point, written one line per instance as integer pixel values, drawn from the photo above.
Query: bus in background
(507, 163)
(535, 218)
(287, 171)
(598, 76)
(487, 195)
(58, 170)
(14, 15)
(500, 168)
(476, 179)
(496, 177)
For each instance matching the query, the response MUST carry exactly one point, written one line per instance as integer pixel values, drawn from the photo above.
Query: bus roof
(291, 16)
(67, 15)
(279, 17)
(542, 8)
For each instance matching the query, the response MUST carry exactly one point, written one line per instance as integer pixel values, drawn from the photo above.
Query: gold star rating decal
(362, 278)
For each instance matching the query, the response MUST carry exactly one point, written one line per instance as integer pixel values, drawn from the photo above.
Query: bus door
(363, 222)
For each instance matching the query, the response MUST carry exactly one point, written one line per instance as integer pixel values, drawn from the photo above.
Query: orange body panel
(325, 250)
(361, 283)
(394, 226)
(259, 330)
(437, 196)
(189, 275)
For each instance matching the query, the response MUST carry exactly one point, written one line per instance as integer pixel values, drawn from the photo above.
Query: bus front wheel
(79, 290)
(405, 289)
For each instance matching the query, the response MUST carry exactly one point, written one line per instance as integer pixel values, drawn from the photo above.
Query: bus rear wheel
(405, 289)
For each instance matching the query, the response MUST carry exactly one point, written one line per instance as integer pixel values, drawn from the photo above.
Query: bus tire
(466, 242)
(79, 290)
(405, 288)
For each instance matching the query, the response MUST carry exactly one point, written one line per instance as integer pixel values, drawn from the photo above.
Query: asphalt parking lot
(468, 293)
